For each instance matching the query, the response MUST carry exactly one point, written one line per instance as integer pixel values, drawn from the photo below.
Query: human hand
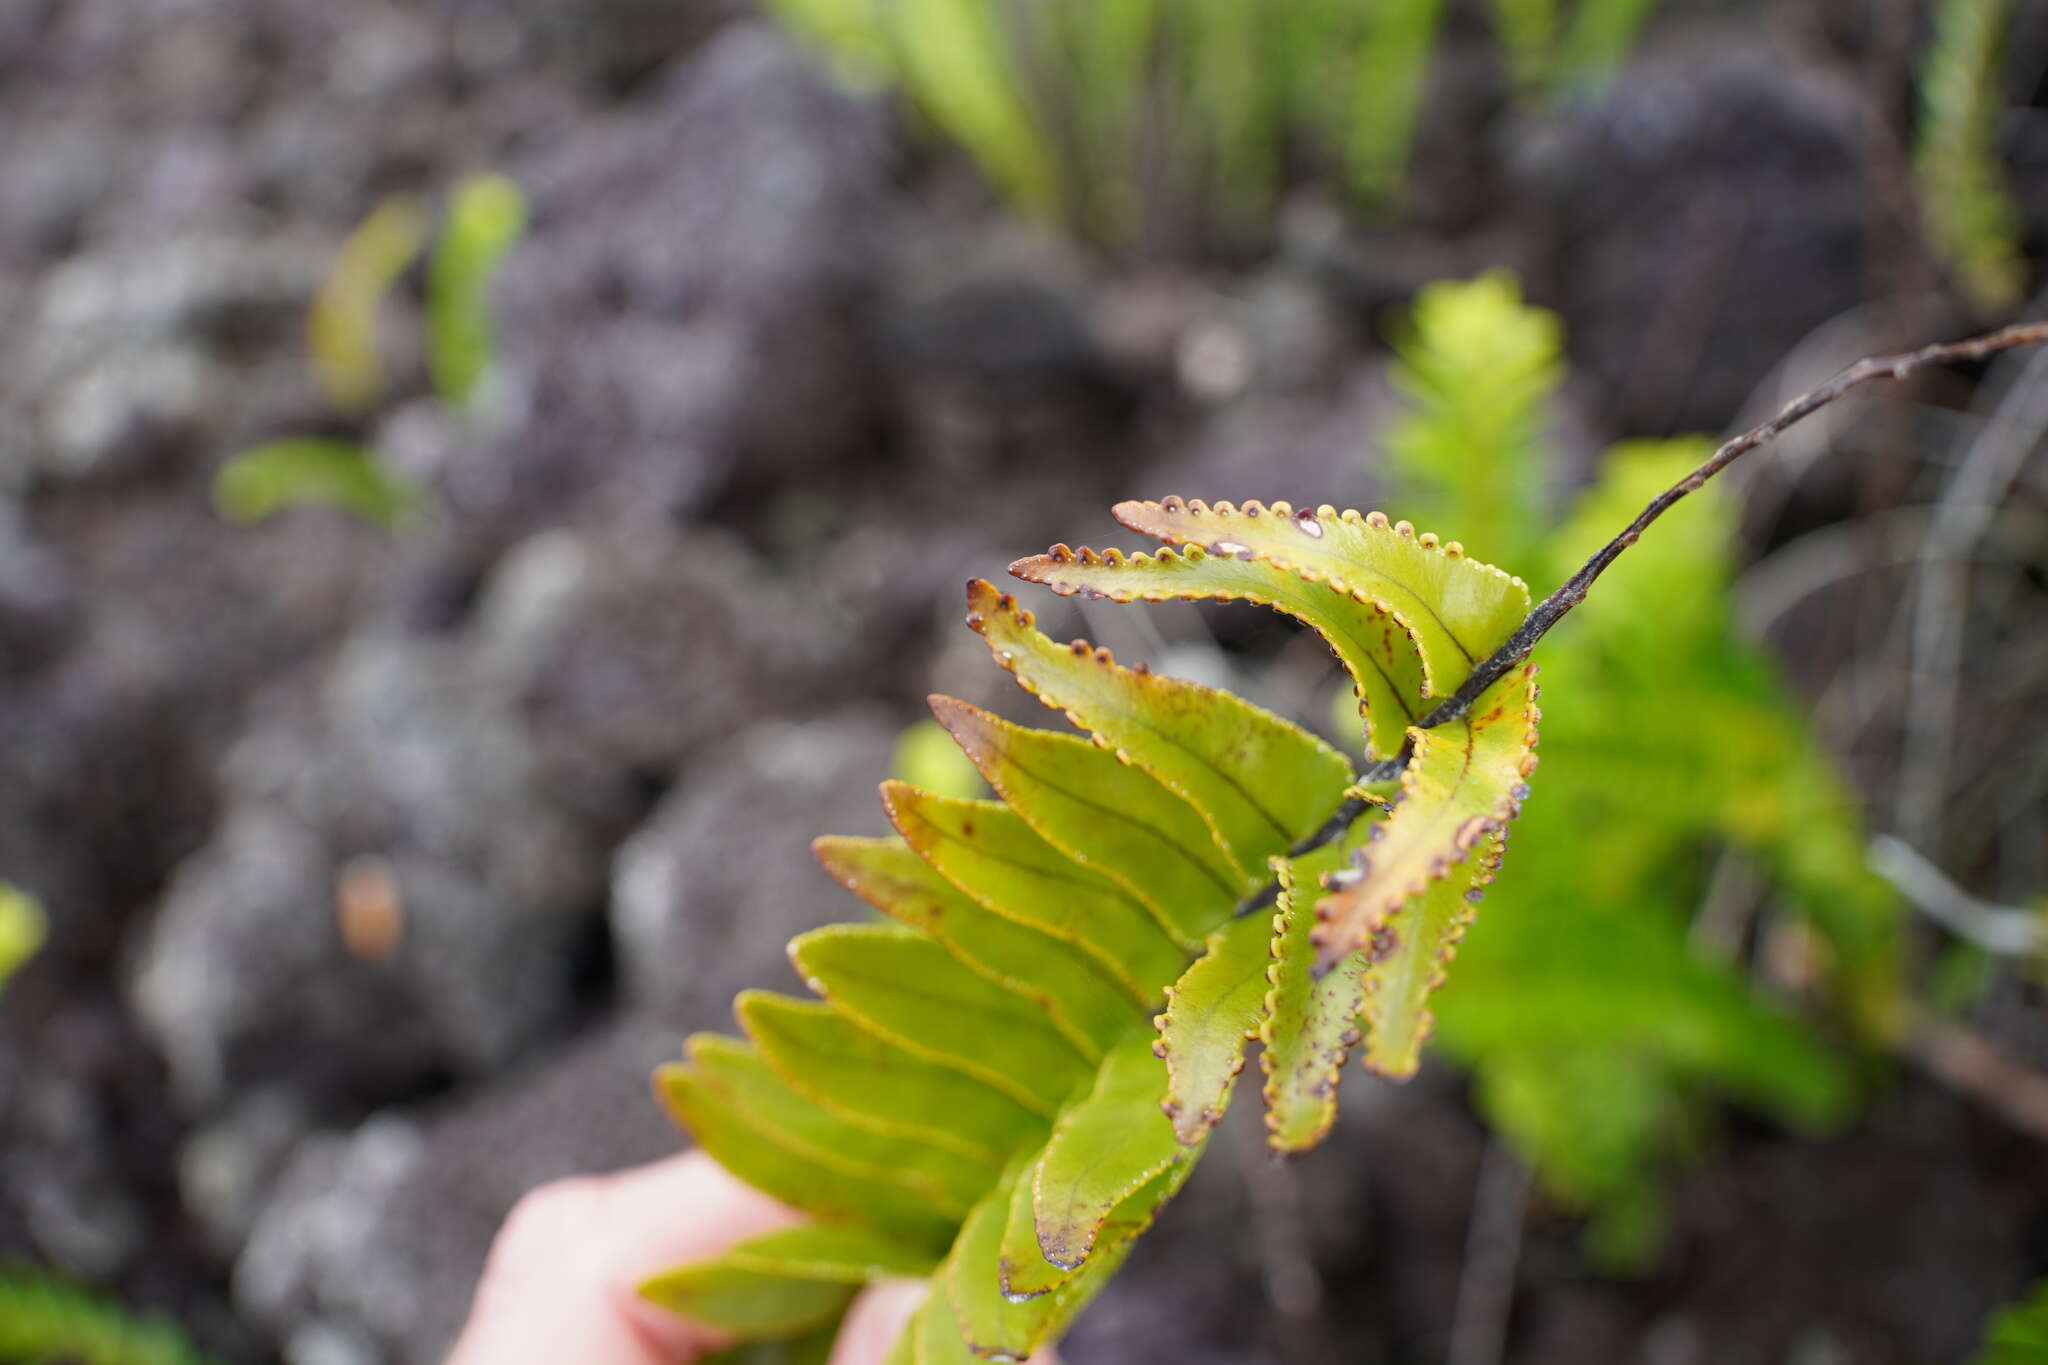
(562, 1282)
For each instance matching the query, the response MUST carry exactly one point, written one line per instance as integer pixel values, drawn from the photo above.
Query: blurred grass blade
(486, 218)
(958, 63)
(23, 928)
(342, 331)
(1387, 91)
(1528, 30)
(1970, 209)
(299, 471)
(1598, 41)
(2018, 1334)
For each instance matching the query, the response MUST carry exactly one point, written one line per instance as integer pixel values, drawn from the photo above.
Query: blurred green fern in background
(1594, 1021)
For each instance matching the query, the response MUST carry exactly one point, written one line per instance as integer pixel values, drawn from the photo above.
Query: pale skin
(562, 1276)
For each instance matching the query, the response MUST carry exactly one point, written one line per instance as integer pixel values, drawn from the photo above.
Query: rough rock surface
(370, 1247)
(1716, 194)
(707, 892)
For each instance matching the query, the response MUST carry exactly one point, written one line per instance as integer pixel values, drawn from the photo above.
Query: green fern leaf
(1463, 783)
(980, 1076)
(1087, 1006)
(1101, 1152)
(1211, 1012)
(1308, 1025)
(986, 850)
(899, 984)
(1257, 780)
(1375, 644)
(1105, 814)
(880, 1087)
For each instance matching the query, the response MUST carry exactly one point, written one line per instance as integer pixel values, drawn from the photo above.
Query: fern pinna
(979, 1096)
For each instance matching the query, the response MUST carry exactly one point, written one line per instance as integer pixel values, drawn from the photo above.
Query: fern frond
(980, 1083)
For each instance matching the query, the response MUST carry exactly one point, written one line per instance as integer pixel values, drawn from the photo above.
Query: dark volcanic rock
(371, 1245)
(1703, 217)
(707, 892)
(477, 780)
(691, 304)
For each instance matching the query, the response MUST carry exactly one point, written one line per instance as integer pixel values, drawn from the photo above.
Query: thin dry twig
(1553, 608)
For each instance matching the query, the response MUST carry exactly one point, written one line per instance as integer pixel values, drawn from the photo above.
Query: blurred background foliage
(46, 1320)
(1121, 119)
(1607, 995)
